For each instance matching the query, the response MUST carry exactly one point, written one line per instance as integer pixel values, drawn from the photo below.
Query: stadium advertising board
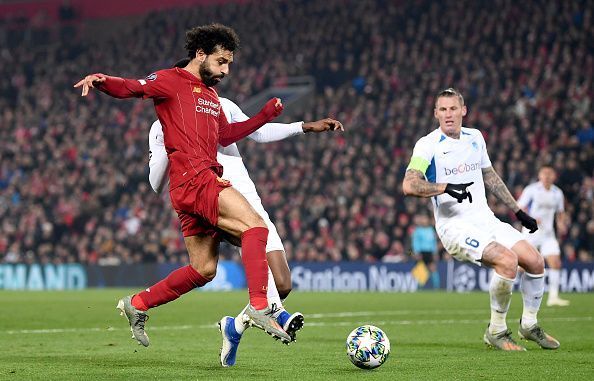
(339, 276)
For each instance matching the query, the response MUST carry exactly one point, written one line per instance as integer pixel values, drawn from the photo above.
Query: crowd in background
(74, 175)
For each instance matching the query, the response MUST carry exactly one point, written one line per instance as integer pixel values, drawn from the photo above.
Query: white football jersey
(542, 204)
(229, 157)
(446, 160)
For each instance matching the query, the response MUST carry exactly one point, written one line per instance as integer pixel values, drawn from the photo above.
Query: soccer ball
(367, 347)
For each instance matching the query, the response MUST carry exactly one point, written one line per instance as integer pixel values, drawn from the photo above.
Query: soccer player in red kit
(193, 125)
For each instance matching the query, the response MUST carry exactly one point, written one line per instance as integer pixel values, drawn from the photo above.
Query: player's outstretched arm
(119, 87)
(414, 184)
(495, 185)
(323, 125)
(89, 82)
(230, 133)
(272, 132)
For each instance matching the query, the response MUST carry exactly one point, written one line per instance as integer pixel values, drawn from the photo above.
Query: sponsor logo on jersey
(206, 106)
(196, 89)
(462, 168)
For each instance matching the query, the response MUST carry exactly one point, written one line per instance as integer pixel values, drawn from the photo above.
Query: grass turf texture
(434, 335)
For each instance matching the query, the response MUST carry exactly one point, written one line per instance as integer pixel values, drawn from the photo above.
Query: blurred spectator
(424, 245)
(73, 172)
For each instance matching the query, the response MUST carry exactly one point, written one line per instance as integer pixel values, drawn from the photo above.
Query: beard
(208, 77)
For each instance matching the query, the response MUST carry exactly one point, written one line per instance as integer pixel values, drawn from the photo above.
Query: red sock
(253, 256)
(176, 284)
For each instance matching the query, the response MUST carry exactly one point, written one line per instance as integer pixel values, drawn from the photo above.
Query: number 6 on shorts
(472, 242)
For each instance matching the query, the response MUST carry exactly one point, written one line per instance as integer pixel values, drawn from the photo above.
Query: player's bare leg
(203, 253)
(532, 287)
(554, 275)
(505, 264)
(238, 218)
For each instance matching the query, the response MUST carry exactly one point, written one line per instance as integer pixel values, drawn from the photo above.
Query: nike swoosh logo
(445, 153)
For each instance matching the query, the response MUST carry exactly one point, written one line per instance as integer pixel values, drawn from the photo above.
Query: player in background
(451, 165)
(545, 201)
(193, 125)
(279, 279)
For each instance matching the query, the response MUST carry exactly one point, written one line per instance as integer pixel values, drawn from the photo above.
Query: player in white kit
(279, 276)
(451, 165)
(544, 201)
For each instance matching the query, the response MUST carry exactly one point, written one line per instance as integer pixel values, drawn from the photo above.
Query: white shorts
(466, 239)
(546, 244)
(242, 182)
(274, 241)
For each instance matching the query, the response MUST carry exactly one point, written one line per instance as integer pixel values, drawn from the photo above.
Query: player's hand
(322, 125)
(527, 221)
(459, 191)
(272, 108)
(89, 82)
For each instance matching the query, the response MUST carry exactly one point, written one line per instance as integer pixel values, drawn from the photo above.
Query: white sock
(554, 276)
(240, 325)
(500, 291)
(272, 294)
(532, 288)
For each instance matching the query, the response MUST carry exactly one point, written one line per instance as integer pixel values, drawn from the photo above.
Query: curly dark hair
(209, 37)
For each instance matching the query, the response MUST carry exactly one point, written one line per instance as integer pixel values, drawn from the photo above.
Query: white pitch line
(308, 324)
(399, 312)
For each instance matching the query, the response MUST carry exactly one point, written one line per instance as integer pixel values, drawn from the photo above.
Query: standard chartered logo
(462, 168)
(207, 107)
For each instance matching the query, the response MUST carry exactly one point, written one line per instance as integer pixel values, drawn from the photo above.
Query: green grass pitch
(434, 336)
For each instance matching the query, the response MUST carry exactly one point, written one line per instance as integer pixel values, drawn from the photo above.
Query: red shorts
(197, 203)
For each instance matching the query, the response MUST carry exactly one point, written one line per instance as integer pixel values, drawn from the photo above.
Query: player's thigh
(274, 242)
(464, 241)
(236, 215)
(203, 250)
(528, 257)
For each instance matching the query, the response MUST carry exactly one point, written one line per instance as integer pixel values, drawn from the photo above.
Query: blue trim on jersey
(465, 133)
(529, 206)
(442, 138)
(431, 172)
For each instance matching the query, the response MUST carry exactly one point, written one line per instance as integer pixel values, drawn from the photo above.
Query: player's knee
(207, 270)
(256, 221)
(538, 265)
(507, 264)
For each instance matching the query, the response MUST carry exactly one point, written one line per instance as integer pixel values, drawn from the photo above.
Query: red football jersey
(191, 116)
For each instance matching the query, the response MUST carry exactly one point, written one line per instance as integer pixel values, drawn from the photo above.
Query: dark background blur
(74, 175)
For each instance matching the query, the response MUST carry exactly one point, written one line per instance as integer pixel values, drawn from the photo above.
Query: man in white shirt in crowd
(545, 201)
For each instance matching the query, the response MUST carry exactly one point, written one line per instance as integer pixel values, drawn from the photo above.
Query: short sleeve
(485, 160)
(421, 156)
